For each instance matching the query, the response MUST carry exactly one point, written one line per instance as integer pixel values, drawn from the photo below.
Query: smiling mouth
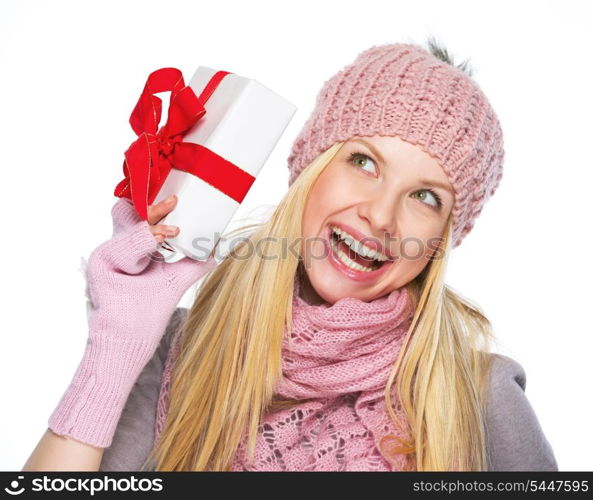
(351, 258)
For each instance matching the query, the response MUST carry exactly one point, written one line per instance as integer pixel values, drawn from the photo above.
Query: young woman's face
(383, 192)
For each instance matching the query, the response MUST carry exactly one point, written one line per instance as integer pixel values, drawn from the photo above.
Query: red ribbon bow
(150, 158)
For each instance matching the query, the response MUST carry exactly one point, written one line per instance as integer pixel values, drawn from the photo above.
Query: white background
(71, 73)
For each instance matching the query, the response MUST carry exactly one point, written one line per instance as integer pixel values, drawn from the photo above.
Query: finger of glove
(124, 215)
(184, 273)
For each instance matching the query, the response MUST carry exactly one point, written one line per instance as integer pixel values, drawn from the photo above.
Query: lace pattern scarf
(338, 357)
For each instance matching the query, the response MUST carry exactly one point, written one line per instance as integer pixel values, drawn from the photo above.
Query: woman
(348, 354)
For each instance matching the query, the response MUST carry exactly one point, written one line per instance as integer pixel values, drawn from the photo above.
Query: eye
(361, 160)
(438, 203)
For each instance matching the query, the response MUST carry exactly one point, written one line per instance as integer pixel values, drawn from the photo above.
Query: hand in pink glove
(133, 295)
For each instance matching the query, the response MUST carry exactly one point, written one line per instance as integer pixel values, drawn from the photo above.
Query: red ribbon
(151, 157)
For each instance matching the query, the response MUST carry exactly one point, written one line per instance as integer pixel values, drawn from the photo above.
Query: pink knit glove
(133, 296)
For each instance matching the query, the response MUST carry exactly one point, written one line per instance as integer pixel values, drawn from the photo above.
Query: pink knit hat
(402, 89)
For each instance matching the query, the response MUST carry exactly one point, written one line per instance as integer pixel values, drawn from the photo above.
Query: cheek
(324, 200)
(406, 272)
(337, 188)
(420, 238)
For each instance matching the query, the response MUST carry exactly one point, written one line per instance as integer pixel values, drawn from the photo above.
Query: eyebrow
(437, 184)
(376, 152)
(372, 148)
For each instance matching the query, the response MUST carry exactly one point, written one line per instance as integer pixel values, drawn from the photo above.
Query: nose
(380, 212)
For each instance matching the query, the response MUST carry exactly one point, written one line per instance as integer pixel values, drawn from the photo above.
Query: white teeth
(359, 247)
(347, 260)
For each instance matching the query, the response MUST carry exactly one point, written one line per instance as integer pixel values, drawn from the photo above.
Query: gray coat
(515, 438)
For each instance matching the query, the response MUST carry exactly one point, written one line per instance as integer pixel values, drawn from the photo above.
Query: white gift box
(243, 122)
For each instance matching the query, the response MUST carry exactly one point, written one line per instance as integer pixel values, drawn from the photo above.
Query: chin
(331, 296)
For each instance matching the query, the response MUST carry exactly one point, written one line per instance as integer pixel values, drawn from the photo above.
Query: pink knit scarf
(340, 356)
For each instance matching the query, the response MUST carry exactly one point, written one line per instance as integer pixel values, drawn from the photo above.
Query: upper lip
(369, 241)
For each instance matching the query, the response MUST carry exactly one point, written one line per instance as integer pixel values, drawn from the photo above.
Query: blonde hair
(230, 356)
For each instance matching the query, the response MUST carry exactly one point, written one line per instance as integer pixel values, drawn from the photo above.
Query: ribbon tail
(138, 163)
(122, 190)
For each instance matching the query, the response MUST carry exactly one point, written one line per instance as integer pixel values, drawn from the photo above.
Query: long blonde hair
(230, 356)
